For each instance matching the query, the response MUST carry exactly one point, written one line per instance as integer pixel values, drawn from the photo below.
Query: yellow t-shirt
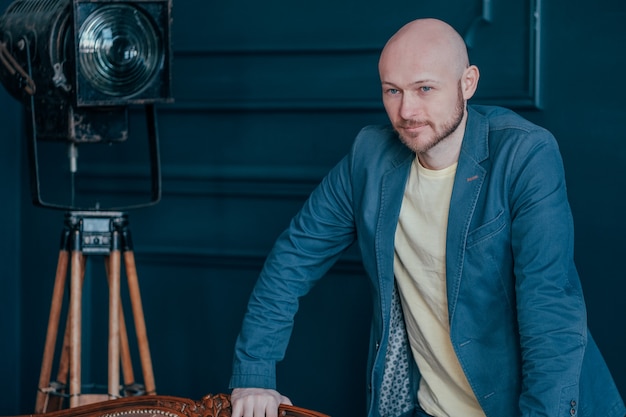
(420, 270)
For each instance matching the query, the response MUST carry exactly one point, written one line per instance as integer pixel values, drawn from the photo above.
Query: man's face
(423, 99)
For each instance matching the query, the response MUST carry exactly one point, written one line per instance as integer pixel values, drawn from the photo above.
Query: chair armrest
(217, 405)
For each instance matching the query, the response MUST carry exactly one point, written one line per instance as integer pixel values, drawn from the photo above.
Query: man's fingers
(256, 402)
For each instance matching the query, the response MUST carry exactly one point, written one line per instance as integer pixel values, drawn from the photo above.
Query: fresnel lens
(119, 51)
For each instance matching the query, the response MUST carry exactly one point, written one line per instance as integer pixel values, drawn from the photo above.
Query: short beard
(442, 134)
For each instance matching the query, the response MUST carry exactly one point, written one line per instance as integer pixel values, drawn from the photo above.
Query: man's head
(426, 82)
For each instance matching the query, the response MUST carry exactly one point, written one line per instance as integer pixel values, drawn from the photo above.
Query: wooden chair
(166, 406)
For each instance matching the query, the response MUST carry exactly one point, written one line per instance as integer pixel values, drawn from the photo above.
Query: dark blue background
(269, 95)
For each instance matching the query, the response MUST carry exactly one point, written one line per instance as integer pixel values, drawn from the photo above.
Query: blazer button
(573, 403)
(572, 412)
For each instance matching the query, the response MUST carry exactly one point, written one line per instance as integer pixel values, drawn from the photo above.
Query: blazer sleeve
(550, 307)
(302, 254)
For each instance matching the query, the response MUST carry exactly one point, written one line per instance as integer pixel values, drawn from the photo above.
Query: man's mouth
(414, 126)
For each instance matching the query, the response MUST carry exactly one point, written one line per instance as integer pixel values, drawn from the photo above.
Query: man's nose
(411, 106)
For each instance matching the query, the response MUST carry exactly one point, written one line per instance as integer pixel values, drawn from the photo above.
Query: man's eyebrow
(426, 81)
(418, 82)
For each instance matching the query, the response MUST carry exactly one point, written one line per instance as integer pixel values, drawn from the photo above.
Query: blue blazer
(516, 309)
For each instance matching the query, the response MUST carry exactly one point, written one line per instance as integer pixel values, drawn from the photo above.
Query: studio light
(77, 65)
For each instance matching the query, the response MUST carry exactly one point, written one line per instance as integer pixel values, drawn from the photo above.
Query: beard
(440, 132)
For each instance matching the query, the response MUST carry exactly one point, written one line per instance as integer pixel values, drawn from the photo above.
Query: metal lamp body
(77, 66)
(87, 61)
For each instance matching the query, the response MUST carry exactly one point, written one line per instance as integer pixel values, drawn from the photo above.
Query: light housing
(81, 60)
(78, 65)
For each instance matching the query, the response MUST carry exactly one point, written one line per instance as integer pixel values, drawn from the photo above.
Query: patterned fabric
(395, 392)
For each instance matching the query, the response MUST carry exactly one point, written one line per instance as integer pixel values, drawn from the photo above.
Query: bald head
(426, 81)
(428, 42)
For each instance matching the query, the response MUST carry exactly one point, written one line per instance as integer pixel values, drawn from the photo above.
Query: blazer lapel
(391, 193)
(469, 179)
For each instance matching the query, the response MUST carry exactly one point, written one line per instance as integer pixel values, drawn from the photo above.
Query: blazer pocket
(486, 231)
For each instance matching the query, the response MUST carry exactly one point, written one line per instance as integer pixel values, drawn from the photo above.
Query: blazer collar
(475, 146)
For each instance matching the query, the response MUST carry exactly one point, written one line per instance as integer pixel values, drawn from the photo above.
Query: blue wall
(268, 97)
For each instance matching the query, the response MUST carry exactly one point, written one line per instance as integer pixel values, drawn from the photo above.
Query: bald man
(461, 216)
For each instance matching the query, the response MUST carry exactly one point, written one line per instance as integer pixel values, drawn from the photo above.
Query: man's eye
(426, 89)
(392, 91)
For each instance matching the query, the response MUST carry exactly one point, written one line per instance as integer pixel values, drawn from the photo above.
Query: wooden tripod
(93, 233)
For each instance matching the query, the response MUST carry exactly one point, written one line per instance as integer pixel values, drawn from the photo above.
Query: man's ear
(469, 81)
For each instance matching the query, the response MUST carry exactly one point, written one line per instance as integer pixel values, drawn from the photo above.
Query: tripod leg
(51, 335)
(114, 261)
(75, 326)
(55, 403)
(140, 325)
(127, 365)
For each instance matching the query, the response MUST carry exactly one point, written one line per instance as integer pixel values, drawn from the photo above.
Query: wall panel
(268, 97)
(10, 285)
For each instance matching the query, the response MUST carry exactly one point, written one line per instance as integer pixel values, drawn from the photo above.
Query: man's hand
(256, 402)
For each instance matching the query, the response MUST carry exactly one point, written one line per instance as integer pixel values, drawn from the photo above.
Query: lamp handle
(14, 68)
